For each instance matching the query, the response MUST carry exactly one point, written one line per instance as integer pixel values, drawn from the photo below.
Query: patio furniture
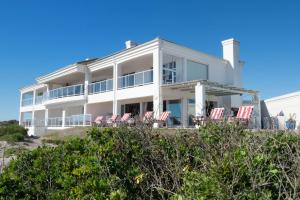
(243, 116)
(113, 120)
(216, 115)
(163, 118)
(126, 119)
(148, 118)
(99, 121)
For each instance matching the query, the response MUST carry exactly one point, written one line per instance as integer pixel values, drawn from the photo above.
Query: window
(196, 71)
(169, 73)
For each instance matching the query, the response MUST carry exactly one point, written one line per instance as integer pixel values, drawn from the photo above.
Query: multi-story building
(157, 75)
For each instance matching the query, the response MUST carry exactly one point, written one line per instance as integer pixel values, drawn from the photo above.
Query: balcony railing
(27, 102)
(71, 121)
(55, 122)
(27, 123)
(40, 99)
(74, 90)
(101, 86)
(136, 79)
(78, 120)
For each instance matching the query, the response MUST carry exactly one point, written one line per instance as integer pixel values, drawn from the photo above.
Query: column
(157, 81)
(63, 118)
(46, 117)
(184, 114)
(256, 111)
(33, 118)
(200, 100)
(87, 81)
(184, 69)
(141, 110)
(34, 97)
(20, 113)
(115, 86)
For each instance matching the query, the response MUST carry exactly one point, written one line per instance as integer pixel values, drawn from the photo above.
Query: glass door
(174, 106)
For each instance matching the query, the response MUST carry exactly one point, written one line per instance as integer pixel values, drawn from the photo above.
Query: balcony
(101, 87)
(27, 102)
(135, 79)
(71, 121)
(74, 90)
(78, 120)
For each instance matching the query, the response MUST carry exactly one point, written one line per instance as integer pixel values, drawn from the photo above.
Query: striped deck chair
(217, 114)
(112, 120)
(244, 114)
(148, 117)
(125, 119)
(163, 117)
(99, 121)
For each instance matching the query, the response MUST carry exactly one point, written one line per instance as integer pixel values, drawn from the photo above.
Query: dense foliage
(12, 132)
(218, 162)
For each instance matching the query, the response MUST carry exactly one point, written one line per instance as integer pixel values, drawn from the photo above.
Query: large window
(169, 73)
(196, 71)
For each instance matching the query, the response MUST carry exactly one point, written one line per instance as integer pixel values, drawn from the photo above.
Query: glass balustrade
(74, 90)
(136, 79)
(101, 86)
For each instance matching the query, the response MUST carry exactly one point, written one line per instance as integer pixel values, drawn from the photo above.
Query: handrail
(101, 86)
(73, 90)
(135, 79)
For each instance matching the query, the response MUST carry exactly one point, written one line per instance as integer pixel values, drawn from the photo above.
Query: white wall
(289, 104)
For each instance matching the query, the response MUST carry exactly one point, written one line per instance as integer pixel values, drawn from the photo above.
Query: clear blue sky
(37, 37)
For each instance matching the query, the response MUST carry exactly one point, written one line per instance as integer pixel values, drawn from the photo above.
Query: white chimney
(231, 53)
(129, 44)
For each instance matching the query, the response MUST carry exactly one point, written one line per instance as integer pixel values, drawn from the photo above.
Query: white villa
(158, 75)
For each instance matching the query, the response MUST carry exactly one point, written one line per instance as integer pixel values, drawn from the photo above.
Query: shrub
(222, 161)
(12, 132)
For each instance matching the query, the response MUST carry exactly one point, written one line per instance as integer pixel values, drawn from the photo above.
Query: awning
(211, 88)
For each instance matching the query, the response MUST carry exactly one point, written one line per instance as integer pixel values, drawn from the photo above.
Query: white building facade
(285, 107)
(155, 76)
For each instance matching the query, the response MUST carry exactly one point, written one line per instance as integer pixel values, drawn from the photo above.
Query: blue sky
(37, 37)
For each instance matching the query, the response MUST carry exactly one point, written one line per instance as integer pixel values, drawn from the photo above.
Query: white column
(115, 87)
(200, 100)
(256, 111)
(46, 117)
(33, 118)
(20, 113)
(34, 97)
(63, 117)
(184, 69)
(157, 81)
(141, 110)
(184, 115)
(87, 81)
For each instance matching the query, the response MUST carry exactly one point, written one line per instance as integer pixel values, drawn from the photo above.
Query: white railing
(27, 123)
(40, 99)
(136, 79)
(101, 86)
(55, 122)
(74, 90)
(78, 120)
(27, 102)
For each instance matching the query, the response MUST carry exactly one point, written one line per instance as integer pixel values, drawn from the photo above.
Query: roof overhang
(32, 87)
(211, 88)
(71, 69)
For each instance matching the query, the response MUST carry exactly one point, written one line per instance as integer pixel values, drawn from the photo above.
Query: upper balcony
(65, 94)
(135, 79)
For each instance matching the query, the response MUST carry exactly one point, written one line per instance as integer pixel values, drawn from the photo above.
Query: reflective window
(196, 71)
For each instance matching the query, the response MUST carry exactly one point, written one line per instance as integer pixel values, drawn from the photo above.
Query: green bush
(12, 132)
(222, 161)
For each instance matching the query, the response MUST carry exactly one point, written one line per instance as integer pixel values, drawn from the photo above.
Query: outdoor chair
(99, 121)
(126, 119)
(163, 118)
(216, 115)
(148, 118)
(243, 116)
(113, 120)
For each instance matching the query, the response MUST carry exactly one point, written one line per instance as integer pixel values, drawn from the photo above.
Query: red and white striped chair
(244, 114)
(216, 114)
(148, 117)
(163, 117)
(99, 121)
(126, 119)
(112, 120)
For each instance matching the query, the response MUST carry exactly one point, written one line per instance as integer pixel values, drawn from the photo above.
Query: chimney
(231, 53)
(129, 44)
